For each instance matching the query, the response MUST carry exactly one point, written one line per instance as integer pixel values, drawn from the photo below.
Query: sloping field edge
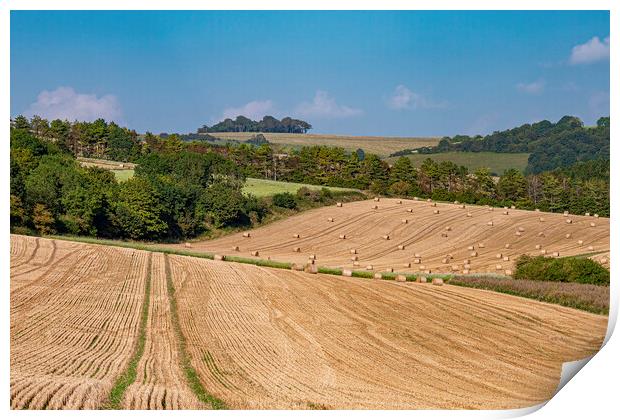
(390, 276)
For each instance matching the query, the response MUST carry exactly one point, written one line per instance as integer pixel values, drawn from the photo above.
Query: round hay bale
(390, 270)
(415, 198)
(481, 245)
(568, 236)
(297, 267)
(338, 204)
(506, 258)
(422, 267)
(297, 249)
(369, 267)
(456, 202)
(188, 245)
(417, 260)
(235, 248)
(445, 261)
(410, 210)
(462, 206)
(505, 212)
(401, 247)
(580, 242)
(376, 198)
(354, 258)
(416, 255)
(499, 256)
(521, 229)
(541, 219)
(448, 228)
(538, 246)
(438, 281)
(401, 277)
(489, 223)
(378, 276)
(587, 214)
(375, 207)
(592, 224)
(342, 236)
(508, 272)
(218, 257)
(507, 246)
(312, 257)
(444, 235)
(428, 200)
(470, 248)
(246, 234)
(386, 237)
(518, 233)
(353, 251)
(469, 215)
(399, 201)
(473, 254)
(407, 265)
(569, 221)
(356, 263)
(543, 251)
(590, 248)
(330, 219)
(541, 234)
(421, 279)
(466, 261)
(467, 266)
(254, 253)
(595, 215)
(465, 271)
(565, 213)
(296, 235)
(555, 254)
(498, 267)
(513, 207)
(405, 221)
(455, 267)
(433, 204)
(311, 268)
(435, 211)
(347, 273)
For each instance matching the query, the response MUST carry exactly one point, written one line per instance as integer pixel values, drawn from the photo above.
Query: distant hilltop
(268, 124)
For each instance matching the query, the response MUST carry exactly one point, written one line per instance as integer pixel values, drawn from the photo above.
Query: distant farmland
(266, 187)
(496, 162)
(381, 146)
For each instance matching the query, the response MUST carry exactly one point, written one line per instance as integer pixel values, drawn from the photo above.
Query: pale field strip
(364, 227)
(266, 338)
(74, 322)
(160, 383)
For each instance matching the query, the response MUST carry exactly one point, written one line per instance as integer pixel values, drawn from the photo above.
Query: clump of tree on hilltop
(268, 124)
(550, 145)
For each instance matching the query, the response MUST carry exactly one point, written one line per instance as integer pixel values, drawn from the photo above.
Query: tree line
(268, 124)
(550, 145)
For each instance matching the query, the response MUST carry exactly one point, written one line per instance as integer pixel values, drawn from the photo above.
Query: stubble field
(257, 337)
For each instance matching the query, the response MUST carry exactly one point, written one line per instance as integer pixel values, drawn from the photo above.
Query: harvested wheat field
(439, 238)
(268, 338)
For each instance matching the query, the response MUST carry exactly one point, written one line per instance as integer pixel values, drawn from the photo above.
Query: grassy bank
(267, 187)
(496, 162)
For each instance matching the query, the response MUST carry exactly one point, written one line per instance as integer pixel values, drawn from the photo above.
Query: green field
(496, 162)
(265, 187)
(122, 174)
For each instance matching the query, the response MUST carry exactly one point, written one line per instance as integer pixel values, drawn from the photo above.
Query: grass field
(496, 162)
(381, 146)
(266, 187)
(122, 170)
(123, 174)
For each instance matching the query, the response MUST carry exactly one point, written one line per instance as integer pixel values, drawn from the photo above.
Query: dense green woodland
(550, 145)
(268, 124)
(182, 189)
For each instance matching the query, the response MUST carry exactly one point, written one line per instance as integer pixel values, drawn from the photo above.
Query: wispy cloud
(532, 88)
(590, 52)
(254, 110)
(324, 106)
(404, 98)
(66, 103)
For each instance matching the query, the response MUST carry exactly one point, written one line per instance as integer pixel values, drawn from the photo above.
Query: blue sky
(363, 73)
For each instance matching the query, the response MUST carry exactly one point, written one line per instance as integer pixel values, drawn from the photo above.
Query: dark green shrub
(285, 200)
(568, 269)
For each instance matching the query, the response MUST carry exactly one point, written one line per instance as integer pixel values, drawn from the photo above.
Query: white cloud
(593, 50)
(325, 106)
(254, 110)
(405, 98)
(533, 88)
(66, 103)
